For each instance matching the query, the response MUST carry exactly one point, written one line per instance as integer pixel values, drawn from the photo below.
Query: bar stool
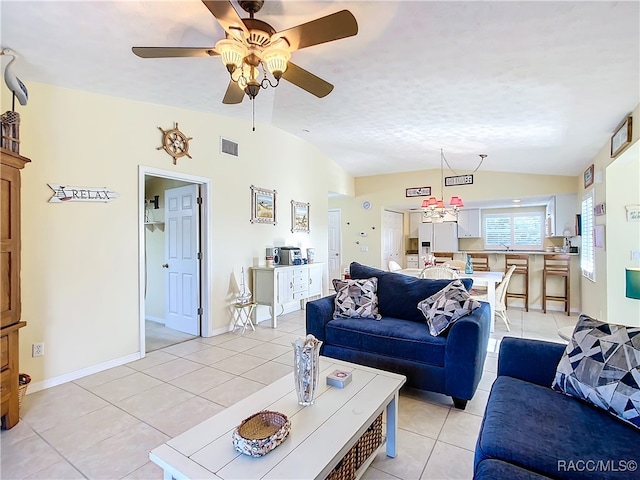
(442, 257)
(521, 263)
(480, 262)
(557, 266)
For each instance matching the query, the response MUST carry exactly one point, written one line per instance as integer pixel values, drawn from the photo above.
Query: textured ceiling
(538, 86)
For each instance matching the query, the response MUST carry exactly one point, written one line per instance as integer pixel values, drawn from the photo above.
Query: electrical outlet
(37, 349)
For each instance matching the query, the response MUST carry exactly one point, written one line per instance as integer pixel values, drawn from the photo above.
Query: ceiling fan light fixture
(232, 53)
(252, 89)
(276, 60)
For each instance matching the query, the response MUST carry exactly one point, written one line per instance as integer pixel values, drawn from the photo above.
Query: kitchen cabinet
(442, 237)
(412, 261)
(415, 219)
(274, 286)
(561, 215)
(469, 223)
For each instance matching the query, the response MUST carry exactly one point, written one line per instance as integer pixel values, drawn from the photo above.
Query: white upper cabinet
(561, 215)
(469, 223)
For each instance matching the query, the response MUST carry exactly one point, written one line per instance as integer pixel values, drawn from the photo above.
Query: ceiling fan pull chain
(253, 113)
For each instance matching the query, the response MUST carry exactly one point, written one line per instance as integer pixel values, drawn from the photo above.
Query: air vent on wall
(228, 146)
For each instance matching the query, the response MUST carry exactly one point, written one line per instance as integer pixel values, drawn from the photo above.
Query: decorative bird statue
(13, 82)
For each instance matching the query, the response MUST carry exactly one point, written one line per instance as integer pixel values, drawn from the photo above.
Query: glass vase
(306, 368)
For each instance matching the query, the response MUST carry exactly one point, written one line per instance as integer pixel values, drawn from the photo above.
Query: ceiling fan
(253, 47)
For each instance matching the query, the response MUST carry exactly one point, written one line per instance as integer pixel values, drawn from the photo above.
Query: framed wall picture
(588, 176)
(299, 217)
(263, 205)
(622, 136)
(418, 192)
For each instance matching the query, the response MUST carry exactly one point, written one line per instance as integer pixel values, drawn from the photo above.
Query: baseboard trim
(151, 318)
(71, 376)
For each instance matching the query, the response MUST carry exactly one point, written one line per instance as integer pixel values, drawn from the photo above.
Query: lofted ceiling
(537, 86)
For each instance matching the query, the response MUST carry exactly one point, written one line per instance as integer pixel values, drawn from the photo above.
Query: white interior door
(182, 247)
(334, 262)
(392, 223)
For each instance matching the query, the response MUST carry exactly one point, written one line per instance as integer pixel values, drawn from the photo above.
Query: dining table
(480, 279)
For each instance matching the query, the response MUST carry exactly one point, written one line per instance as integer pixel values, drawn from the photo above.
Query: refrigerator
(438, 237)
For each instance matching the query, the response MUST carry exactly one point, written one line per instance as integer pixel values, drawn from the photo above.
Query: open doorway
(174, 267)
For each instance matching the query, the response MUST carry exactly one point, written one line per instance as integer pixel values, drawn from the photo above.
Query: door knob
(165, 265)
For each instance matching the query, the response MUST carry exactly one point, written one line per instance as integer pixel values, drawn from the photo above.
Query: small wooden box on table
(10, 322)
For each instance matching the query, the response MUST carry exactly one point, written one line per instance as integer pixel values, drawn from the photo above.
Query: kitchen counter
(523, 252)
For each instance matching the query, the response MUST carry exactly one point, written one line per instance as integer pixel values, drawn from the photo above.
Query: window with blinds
(587, 253)
(516, 231)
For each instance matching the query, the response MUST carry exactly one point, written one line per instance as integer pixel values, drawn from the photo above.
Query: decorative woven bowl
(260, 433)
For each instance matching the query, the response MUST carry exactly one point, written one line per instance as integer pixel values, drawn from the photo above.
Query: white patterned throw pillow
(601, 365)
(446, 306)
(356, 298)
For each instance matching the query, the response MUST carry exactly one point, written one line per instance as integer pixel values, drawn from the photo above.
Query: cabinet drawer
(301, 295)
(4, 348)
(300, 287)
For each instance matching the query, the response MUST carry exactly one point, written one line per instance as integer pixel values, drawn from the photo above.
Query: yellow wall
(595, 301)
(80, 260)
(388, 192)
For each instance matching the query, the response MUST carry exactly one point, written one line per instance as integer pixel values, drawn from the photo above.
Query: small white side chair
(438, 272)
(501, 296)
(394, 266)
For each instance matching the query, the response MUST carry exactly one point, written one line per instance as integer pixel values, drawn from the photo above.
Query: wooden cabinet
(10, 321)
(561, 215)
(469, 223)
(282, 285)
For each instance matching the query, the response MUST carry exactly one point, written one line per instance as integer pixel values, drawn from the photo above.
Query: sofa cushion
(601, 365)
(491, 469)
(446, 306)
(356, 299)
(393, 337)
(537, 429)
(398, 294)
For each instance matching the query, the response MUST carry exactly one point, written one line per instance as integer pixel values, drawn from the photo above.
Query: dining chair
(456, 264)
(438, 272)
(394, 266)
(501, 296)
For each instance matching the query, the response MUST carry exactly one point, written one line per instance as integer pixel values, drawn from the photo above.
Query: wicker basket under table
(370, 440)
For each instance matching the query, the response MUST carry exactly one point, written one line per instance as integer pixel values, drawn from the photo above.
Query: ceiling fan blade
(307, 80)
(338, 25)
(167, 52)
(234, 94)
(227, 17)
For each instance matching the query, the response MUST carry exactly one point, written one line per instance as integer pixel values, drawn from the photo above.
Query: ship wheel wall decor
(175, 143)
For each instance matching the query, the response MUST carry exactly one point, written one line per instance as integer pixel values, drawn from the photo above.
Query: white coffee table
(320, 435)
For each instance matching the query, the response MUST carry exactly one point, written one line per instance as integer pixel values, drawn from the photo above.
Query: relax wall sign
(67, 193)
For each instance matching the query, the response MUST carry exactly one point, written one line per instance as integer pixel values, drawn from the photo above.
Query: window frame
(587, 250)
(511, 245)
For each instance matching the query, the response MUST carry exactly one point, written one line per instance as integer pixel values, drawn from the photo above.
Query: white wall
(80, 260)
(622, 236)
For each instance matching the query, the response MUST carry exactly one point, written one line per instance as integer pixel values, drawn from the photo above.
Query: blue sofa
(400, 342)
(531, 432)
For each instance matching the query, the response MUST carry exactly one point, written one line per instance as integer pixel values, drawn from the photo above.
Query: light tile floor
(104, 425)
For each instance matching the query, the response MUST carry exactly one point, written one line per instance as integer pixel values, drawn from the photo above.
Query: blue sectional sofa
(400, 342)
(531, 432)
